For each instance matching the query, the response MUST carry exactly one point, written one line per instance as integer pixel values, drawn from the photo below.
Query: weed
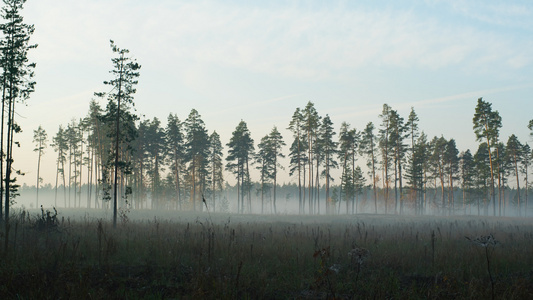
(358, 256)
(46, 221)
(123, 212)
(323, 275)
(279, 258)
(488, 243)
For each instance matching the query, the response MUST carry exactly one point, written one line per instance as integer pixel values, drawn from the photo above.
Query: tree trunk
(517, 184)
(38, 170)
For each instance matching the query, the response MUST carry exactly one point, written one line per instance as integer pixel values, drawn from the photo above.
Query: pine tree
(438, 162)
(412, 133)
(263, 164)
(241, 150)
(17, 85)
(95, 146)
(297, 154)
(215, 165)
(385, 146)
(501, 169)
(527, 156)
(482, 176)
(399, 149)
(328, 151)
(125, 73)
(487, 124)
(155, 145)
(298, 161)
(368, 148)
(451, 168)
(311, 121)
(346, 155)
(176, 151)
(73, 141)
(127, 137)
(40, 138)
(196, 157)
(276, 144)
(514, 157)
(60, 145)
(358, 185)
(466, 169)
(417, 170)
(140, 162)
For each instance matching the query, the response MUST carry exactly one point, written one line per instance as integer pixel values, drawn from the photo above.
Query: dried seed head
(483, 240)
(359, 254)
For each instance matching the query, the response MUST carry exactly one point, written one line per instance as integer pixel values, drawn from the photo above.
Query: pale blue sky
(260, 60)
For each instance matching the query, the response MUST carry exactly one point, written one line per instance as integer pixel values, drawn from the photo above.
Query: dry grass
(285, 257)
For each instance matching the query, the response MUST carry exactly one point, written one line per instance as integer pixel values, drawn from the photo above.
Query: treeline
(180, 165)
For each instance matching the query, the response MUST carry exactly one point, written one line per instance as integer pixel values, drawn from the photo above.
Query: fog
(287, 204)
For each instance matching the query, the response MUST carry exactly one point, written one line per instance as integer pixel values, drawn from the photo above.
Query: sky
(258, 61)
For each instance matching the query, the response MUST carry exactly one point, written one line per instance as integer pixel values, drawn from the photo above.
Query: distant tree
(78, 161)
(514, 156)
(397, 136)
(263, 164)
(358, 186)
(276, 144)
(368, 148)
(417, 172)
(176, 151)
(311, 122)
(411, 127)
(140, 162)
(197, 156)
(17, 85)
(386, 149)
(84, 155)
(482, 176)
(95, 142)
(527, 156)
(215, 165)
(73, 140)
(298, 161)
(501, 168)
(466, 169)
(437, 160)
(451, 168)
(329, 151)
(125, 73)
(348, 140)
(297, 153)
(60, 145)
(155, 146)
(83, 159)
(241, 150)
(40, 138)
(487, 124)
(128, 134)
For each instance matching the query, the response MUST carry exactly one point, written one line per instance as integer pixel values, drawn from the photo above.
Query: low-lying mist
(287, 205)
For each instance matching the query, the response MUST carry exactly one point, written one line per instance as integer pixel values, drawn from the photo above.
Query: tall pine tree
(17, 85)
(124, 79)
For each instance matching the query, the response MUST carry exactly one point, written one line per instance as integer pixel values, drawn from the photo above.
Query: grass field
(164, 255)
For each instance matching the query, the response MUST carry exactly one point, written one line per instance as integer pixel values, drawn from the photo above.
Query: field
(78, 255)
